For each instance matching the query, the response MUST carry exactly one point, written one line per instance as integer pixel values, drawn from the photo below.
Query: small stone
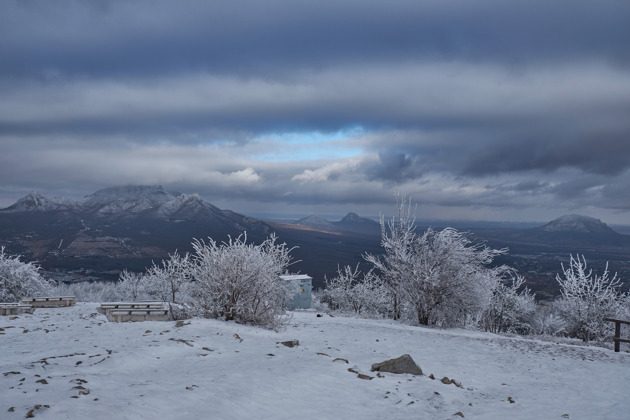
(431, 376)
(362, 376)
(459, 413)
(290, 343)
(446, 381)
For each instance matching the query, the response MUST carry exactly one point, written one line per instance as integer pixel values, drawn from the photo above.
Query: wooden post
(617, 335)
(617, 338)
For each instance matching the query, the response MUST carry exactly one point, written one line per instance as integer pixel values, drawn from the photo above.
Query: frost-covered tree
(166, 281)
(350, 290)
(586, 299)
(450, 278)
(395, 265)
(132, 286)
(19, 280)
(511, 308)
(240, 281)
(437, 278)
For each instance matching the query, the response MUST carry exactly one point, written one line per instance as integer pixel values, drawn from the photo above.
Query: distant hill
(575, 231)
(316, 222)
(352, 222)
(538, 252)
(577, 224)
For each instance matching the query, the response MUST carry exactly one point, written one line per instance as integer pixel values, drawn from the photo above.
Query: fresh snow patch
(70, 363)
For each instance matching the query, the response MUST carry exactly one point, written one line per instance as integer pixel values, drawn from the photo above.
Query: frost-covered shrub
(547, 322)
(241, 281)
(90, 291)
(349, 291)
(132, 286)
(587, 299)
(168, 281)
(317, 302)
(19, 280)
(511, 308)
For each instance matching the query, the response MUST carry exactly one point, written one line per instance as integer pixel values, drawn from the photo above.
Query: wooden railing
(617, 337)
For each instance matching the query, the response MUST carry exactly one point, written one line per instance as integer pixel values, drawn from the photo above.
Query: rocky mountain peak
(355, 218)
(351, 217)
(35, 201)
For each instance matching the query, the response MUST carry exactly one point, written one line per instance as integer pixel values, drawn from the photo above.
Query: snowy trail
(81, 366)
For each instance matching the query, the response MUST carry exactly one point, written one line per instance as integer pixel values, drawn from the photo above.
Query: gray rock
(402, 364)
(291, 343)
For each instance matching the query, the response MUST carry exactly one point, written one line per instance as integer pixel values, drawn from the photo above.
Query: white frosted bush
(587, 299)
(19, 280)
(240, 281)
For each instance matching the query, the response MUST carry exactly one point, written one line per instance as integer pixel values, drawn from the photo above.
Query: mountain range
(128, 227)
(115, 228)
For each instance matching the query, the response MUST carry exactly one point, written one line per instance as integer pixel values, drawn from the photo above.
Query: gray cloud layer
(487, 109)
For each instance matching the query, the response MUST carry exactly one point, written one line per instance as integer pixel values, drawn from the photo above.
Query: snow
(221, 370)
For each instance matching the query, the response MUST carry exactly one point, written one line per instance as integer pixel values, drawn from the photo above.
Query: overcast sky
(481, 110)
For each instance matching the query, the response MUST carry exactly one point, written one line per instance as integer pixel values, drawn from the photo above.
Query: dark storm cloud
(575, 188)
(603, 154)
(245, 37)
(394, 166)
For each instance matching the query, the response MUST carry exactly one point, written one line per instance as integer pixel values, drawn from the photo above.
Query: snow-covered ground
(74, 364)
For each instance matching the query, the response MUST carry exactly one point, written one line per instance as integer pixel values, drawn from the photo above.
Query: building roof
(295, 277)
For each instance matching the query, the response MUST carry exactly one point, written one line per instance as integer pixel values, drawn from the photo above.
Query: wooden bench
(15, 309)
(50, 302)
(135, 311)
(617, 336)
(106, 308)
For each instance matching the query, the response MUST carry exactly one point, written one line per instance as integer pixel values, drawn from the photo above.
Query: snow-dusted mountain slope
(577, 223)
(73, 364)
(35, 201)
(124, 201)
